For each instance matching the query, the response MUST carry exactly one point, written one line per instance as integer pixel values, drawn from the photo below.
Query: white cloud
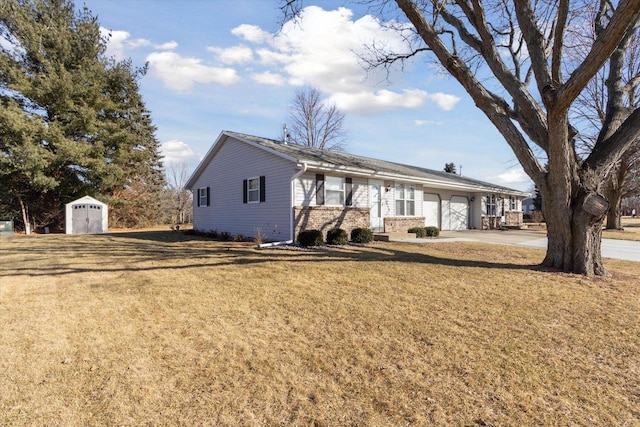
(252, 33)
(181, 73)
(167, 46)
(511, 177)
(444, 100)
(177, 152)
(118, 42)
(269, 78)
(324, 49)
(233, 55)
(419, 122)
(382, 100)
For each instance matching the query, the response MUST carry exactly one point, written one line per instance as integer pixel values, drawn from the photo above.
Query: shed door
(86, 218)
(430, 209)
(94, 219)
(459, 211)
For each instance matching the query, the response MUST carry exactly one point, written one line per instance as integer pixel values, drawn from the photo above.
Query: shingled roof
(350, 163)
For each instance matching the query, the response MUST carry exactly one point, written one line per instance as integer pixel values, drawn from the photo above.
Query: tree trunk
(574, 239)
(614, 216)
(25, 216)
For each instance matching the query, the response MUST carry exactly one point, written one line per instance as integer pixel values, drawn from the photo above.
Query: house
(528, 206)
(253, 186)
(86, 215)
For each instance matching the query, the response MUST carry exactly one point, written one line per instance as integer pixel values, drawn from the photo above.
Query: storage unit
(86, 216)
(6, 228)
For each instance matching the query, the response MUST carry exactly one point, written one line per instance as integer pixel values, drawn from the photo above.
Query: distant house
(250, 185)
(528, 206)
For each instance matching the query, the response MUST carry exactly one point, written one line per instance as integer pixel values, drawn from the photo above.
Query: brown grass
(158, 328)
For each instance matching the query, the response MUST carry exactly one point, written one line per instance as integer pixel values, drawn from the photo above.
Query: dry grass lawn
(631, 230)
(158, 328)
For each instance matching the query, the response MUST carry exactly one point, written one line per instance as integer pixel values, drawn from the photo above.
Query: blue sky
(219, 65)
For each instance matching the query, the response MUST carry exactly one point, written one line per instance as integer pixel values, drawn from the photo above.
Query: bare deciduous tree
(509, 55)
(178, 200)
(315, 123)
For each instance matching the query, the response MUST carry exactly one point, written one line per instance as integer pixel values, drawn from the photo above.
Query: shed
(86, 216)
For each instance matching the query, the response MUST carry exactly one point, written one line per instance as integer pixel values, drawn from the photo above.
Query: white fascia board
(433, 183)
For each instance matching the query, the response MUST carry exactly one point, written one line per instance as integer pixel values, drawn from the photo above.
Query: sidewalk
(611, 248)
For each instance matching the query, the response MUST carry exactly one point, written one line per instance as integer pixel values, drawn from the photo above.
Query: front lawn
(159, 328)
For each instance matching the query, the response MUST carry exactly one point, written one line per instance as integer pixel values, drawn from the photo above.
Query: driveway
(611, 248)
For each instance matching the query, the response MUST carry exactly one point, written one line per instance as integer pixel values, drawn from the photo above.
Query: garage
(86, 216)
(430, 210)
(459, 213)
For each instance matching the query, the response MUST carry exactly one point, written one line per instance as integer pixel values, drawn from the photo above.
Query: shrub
(420, 231)
(310, 238)
(337, 236)
(361, 235)
(432, 231)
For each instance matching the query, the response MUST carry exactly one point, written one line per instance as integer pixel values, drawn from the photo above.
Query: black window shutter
(349, 190)
(262, 189)
(198, 196)
(319, 189)
(208, 196)
(244, 191)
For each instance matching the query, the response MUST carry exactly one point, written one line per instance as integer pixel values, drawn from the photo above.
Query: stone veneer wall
(491, 222)
(400, 224)
(324, 218)
(513, 218)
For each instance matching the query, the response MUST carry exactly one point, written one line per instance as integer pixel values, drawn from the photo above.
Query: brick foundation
(400, 224)
(324, 218)
(511, 219)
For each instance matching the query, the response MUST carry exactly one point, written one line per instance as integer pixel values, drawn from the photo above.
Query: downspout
(293, 199)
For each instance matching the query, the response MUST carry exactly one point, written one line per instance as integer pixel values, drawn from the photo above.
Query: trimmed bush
(432, 231)
(420, 231)
(337, 236)
(361, 235)
(310, 238)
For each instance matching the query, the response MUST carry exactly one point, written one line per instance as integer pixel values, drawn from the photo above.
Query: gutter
(293, 198)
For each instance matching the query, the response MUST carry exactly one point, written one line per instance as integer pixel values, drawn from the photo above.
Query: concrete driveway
(619, 249)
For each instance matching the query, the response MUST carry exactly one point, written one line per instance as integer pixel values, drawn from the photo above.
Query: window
(513, 203)
(405, 200)
(491, 205)
(334, 191)
(253, 190)
(203, 196)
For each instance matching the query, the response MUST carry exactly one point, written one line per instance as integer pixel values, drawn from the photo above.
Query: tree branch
(623, 18)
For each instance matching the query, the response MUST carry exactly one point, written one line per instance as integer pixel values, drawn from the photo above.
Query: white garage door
(459, 213)
(430, 209)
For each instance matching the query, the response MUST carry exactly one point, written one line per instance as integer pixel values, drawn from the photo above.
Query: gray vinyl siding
(306, 189)
(234, 162)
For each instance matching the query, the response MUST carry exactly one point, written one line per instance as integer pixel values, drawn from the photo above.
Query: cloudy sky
(219, 65)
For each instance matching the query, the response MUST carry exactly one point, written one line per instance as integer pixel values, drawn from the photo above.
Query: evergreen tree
(72, 122)
(450, 168)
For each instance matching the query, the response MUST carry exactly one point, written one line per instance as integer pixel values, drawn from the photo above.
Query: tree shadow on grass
(167, 250)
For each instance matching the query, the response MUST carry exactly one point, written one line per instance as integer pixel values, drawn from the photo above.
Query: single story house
(256, 186)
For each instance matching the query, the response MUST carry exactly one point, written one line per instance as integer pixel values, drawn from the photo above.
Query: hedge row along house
(252, 186)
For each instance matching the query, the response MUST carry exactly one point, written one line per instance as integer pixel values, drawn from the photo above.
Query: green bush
(337, 236)
(420, 231)
(310, 238)
(361, 235)
(432, 231)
